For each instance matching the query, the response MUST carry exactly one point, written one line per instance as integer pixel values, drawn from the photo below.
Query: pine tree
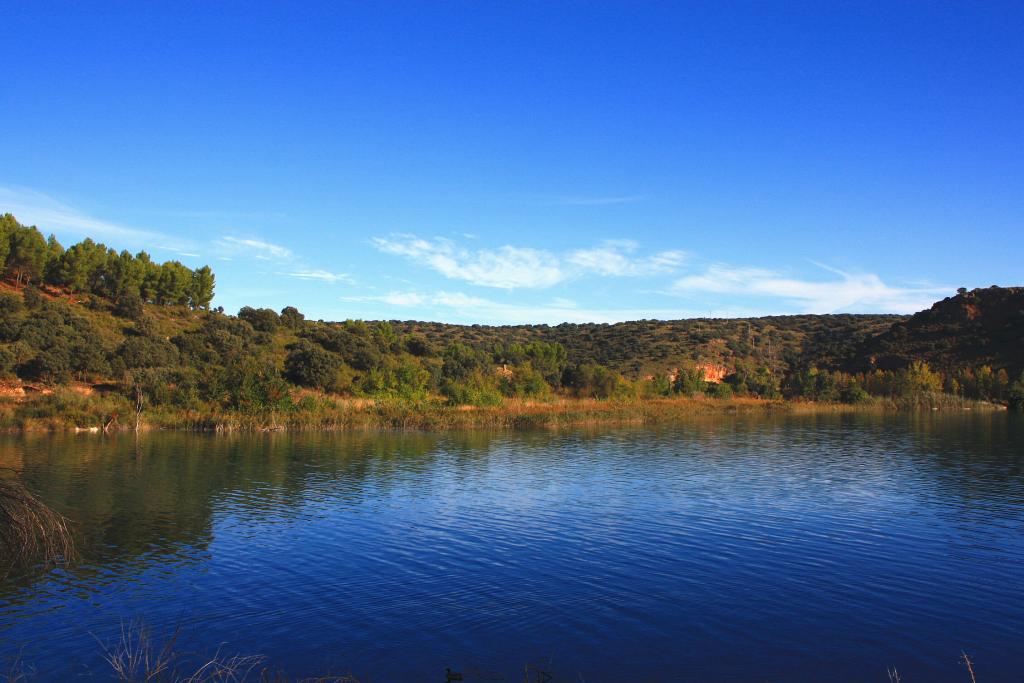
(174, 284)
(8, 225)
(27, 256)
(201, 290)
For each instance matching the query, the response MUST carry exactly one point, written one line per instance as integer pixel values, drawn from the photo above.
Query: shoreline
(92, 415)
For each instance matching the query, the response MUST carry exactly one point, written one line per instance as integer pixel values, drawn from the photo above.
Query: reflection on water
(726, 549)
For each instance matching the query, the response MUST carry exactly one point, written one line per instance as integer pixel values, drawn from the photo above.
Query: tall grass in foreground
(65, 409)
(137, 657)
(30, 532)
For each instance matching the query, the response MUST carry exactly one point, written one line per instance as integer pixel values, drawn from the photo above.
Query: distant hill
(646, 347)
(94, 316)
(973, 328)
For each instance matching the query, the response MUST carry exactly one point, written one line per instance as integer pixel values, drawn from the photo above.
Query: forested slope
(134, 330)
(973, 328)
(646, 347)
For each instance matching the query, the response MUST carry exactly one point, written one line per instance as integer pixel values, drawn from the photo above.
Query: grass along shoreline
(70, 409)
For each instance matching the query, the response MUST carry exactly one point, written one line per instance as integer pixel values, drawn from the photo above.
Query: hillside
(639, 348)
(126, 331)
(973, 328)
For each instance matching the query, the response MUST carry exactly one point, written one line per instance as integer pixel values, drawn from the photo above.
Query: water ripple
(726, 549)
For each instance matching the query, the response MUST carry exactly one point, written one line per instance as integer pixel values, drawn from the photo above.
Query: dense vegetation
(142, 336)
(638, 348)
(90, 268)
(982, 327)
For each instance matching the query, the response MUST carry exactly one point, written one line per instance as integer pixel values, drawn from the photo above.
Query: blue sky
(529, 162)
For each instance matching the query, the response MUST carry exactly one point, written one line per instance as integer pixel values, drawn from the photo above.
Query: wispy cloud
(49, 214)
(506, 267)
(849, 292)
(458, 307)
(511, 267)
(291, 264)
(321, 275)
(254, 247)
(401, 299)
(614, 258)
(32, 207)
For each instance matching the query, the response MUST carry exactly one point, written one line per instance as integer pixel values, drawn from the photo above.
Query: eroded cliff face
(710, 372)
(977, 327)
(713, 373)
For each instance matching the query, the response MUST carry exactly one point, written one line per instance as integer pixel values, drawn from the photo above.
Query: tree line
(92, 268)
(148, 327)
(262, 361)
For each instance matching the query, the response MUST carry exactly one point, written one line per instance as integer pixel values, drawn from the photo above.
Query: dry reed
(30, 532)
(136, 657)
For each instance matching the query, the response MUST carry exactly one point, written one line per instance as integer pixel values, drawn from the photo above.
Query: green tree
(174, 284)
(8, 224)
(80, 265)
(27, 256)
(122, 275)
(149, 290)
(201, 291)
(54, 255)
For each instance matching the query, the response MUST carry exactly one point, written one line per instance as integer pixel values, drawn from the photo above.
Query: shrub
(11, 304)
(461, 361)
(52, 364)
(418, 345)
(129, 306)
(261, 319)
(524, 381)
(33, 298)
(470, 394)
(690, 381)
(854, 393)
(291, 318)
(147, 352)
(590, 380)
(1015, 396)
(8, 360)
(720, 390)
(309, 365)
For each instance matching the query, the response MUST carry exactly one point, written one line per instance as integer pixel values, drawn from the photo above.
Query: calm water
(726, 549)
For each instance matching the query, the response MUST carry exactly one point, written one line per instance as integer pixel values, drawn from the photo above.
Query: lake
(780, 548)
